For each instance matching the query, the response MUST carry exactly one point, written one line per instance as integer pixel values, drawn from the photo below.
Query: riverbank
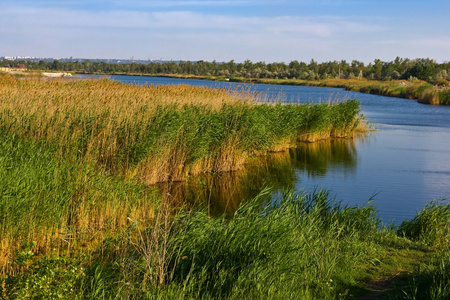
(300, 246)
(79, 219)
(419, 90)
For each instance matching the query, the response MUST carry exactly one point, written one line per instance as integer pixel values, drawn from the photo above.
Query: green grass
(419, 90)
(300, 245)
(60, 203)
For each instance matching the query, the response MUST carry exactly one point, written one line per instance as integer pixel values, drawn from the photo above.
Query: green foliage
(40, 192)
(425, 69)
(48, 278)
(429, 282)
(444, 97)
(302, 243)
(430, 226)
(24, 255)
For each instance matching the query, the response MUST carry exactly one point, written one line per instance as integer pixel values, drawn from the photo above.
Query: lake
(401, 166)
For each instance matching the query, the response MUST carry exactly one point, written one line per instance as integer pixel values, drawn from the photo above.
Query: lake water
(403, 165)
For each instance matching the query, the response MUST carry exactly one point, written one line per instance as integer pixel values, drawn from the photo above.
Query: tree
(387, 70)
(424, 69)
(377, 68)
(55, 65)
(313, 66)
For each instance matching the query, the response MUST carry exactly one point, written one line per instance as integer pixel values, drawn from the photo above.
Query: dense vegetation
(74, 152)
(300, 246)
(78, 219)
(423, 69)
(163, 133)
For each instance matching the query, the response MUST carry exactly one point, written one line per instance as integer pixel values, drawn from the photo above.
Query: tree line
(400, 68)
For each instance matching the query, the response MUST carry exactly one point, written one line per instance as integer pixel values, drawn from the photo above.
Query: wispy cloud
(178, 34)
(186, 30)
(40, 18)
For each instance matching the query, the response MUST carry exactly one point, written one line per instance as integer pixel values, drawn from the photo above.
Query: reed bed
(162, 133)
(77, 158)
(73, 152)
(60, 204)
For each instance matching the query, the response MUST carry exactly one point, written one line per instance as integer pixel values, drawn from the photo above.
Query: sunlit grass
(301, 244)
(417, 89)
(162, 133)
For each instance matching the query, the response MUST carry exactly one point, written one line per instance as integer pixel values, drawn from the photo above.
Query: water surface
(403, 165)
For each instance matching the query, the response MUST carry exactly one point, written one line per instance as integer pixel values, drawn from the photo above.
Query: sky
(224, 30)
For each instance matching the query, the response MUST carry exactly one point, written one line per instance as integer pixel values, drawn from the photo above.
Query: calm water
(403, 165)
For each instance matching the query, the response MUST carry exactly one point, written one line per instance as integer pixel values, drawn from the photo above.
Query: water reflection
(222, 193)
(317, 158)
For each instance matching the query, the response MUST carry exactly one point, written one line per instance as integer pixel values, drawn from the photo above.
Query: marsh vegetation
(80, 217)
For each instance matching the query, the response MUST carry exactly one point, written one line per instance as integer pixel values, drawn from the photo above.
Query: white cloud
(194, 35)
(182, 20)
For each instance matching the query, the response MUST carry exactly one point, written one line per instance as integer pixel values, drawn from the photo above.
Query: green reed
(59, 202)
(431, 226)
(301, 244)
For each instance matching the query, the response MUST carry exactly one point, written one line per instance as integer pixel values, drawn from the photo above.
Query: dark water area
(402, 165)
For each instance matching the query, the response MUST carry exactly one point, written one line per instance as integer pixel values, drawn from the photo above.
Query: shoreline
(18, 71)
(418, 90)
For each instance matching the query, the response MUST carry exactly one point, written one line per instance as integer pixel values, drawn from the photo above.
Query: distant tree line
(401, 68)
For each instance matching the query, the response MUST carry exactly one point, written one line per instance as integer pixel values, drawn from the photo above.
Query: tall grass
(303, 245)
(431, 227)
(159, 133)
(60, 204)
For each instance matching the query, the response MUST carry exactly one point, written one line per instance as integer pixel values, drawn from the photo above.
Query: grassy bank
(78, 219)
(419, 90)
(302, 245)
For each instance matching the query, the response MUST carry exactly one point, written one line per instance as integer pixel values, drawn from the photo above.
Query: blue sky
(222, 30)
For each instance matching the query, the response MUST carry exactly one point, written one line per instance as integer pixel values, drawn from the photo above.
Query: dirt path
(379, 287)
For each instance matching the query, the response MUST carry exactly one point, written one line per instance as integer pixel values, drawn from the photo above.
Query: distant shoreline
(20, 71)
(418, 90)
